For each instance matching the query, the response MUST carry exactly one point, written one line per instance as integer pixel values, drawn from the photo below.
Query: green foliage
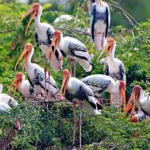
(50, 127)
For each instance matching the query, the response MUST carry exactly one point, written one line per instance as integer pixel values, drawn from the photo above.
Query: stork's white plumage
(72, 49)
(36, 73)
(143, 100)
(43, 35)
(78, 92)
(102, 83)
(5, 98)
(114, 67)
(23, 86)
(99, 23)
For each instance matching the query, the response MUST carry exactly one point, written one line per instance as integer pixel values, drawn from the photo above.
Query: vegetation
(49, 126)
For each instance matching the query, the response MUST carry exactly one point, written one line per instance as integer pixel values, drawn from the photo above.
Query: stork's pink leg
(3, 140)
(103, 37)
(45, 73)
(49, 93)
(69, 63)
(75, 122)
(74, 67)
(80, 123)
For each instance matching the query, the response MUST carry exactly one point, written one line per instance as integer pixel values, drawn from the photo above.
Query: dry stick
(126, 14)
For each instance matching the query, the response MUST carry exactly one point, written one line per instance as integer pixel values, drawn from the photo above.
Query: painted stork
(43, 36)
(77, 92)
(6, 102)
(143, 101)
(23, 86)
(5, 98)
(102, 83)
(36, 73)
(99, 23)
(73, 49)
(114, 67)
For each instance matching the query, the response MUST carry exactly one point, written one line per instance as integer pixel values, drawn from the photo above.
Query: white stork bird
(102, 83)
(43, 36)
(8, 100)
(73, 49)
(77, 92)
(23, 86)
(114, 67)
(138, 97)
(36, 73)
(99, 23)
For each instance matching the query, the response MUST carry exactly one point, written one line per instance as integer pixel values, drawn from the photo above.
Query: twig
(127, 15)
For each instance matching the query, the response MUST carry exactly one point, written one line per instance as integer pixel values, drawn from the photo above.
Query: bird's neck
(141, 99)
(61, 44)
(29, 58)
(111, 56)
(97, 3)
(37, 20)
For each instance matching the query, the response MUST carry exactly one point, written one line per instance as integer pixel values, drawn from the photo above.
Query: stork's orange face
(34, 11)
(108, 47)
(16, 82)
(134, 97)
(56, 39)
(25, 54)
(66, 76)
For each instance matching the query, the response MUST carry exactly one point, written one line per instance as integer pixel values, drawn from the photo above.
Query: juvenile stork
(143, 100)
(77, 92)
(99, 23)
(36, 73)
(72, 49)
(102, 83)
(23, 86)
(43, 36)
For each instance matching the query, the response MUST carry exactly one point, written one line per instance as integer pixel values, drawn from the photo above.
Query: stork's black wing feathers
(31, 90)
(40, 77)
(73, 48)
(107, 22)
(37, 39)
(106, 69)
(30, 81)
(122, 71)
(93, 11)
(49, 35)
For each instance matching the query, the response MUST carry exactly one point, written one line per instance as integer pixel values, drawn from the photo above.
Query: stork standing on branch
(79, 93)
(72, 49)
(99, 23)
(114, 67)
